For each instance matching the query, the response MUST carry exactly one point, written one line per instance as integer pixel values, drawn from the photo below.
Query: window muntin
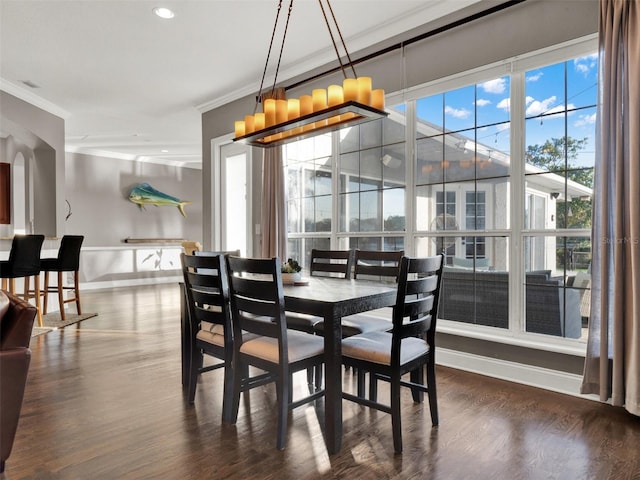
(468, 155)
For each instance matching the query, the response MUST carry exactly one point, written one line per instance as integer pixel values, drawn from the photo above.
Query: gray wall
(98, 189)
(43, 133)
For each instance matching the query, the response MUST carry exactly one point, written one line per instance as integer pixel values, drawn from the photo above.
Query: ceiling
(132, 85)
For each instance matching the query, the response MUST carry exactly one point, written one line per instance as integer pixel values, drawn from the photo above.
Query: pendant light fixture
(282, 121)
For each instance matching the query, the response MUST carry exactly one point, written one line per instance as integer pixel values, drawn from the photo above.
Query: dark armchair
(16, 323)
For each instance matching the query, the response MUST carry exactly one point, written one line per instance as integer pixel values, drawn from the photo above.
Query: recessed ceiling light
(164, 151)
(163, 12)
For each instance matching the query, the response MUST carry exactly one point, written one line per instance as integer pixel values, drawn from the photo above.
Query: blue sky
(545, 93)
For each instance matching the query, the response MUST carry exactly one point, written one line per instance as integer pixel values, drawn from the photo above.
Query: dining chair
(257, 307)
(209, 330)
(372, 265)
(190, 247)
(408, 348)
(68, 260)
(24, 262)
(334, 263)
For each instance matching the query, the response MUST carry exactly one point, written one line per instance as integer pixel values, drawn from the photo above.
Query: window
(309, 173)
(492, 169)
(560, 120)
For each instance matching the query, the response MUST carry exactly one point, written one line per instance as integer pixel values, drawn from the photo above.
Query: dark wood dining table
(332, 299)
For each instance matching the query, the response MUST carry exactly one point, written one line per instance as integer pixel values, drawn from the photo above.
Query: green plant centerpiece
(291, 271)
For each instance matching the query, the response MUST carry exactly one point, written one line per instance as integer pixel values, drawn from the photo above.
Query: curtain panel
(612, 365)
(274, 205)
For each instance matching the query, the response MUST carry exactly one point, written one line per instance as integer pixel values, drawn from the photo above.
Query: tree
(555, 155)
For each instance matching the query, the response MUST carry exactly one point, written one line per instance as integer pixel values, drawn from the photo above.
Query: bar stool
(24, 262)
(68, 261)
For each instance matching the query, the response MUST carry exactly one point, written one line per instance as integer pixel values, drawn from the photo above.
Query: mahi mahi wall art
(144, 194)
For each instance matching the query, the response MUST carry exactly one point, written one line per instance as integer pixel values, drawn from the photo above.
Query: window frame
(517, 233)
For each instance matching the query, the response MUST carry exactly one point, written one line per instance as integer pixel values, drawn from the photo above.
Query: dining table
(332, 299)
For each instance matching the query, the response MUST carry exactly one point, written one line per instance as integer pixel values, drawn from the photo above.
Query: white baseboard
(132, 282)
(553, 380)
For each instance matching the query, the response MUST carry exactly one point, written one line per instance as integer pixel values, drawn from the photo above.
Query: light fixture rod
(266, 64)
(284, 37)
(344, 45)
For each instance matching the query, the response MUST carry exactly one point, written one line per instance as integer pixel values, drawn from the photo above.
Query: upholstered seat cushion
(301, 345)
(301, 321)
(360, 323)
(214, 333)
(376, 347)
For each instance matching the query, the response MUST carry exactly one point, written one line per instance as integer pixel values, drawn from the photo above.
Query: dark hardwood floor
(104, 401)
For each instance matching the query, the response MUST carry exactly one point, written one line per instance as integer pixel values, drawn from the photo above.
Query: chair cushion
(215, 335)
(301, 345)
(210, 337)
(49, 265)
(214, 328)
(376, 347)
(360, 323)
(301, 321)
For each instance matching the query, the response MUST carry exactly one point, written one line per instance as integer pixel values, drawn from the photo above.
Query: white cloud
(457, 113)
(535, 77)
(585, 120)
(536, 107)
(504, 104)
(494, 86)
(528, 100)
(482, 102)
(585, 64)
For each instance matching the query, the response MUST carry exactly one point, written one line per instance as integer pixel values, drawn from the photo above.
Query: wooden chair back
(257, 299)
(337, 263)
(377, 263)
(416, 309)
(207, 289)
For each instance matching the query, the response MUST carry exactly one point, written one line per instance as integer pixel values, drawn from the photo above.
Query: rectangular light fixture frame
(293, 130)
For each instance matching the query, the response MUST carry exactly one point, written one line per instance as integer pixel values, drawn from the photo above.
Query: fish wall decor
(144, 194)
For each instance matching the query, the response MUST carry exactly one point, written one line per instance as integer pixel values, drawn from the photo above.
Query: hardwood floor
(104, 401)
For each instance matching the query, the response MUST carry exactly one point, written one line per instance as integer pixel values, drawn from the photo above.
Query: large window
(492, 169)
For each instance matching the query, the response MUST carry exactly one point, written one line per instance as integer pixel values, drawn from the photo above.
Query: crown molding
(195, 164)
(33, 99)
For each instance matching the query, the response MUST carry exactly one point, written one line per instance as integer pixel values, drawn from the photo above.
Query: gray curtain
(612, 366)
(274, 205)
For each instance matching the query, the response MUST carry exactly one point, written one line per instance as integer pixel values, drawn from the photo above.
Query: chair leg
(360, 382)
(238, 373)
(46, 292)
(417, 376)
(283, 387)
(373, 387)
(61, 295)
(194, 371)
(396, 423)
(431, 392)
(27, 295)
(38, 303)
(76, 287)
(5, 283)
(227, 392)
(318, 374)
